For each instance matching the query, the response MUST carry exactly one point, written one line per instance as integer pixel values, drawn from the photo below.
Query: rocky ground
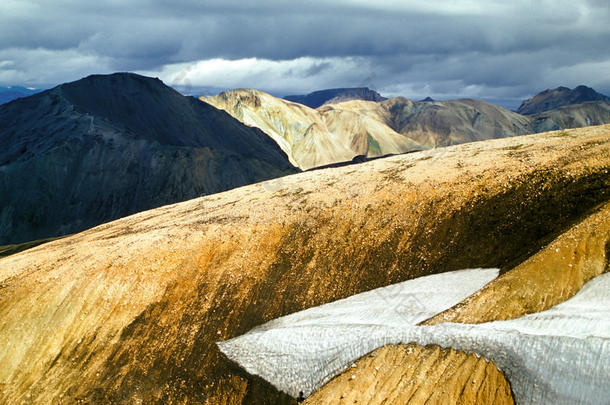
(413, 374)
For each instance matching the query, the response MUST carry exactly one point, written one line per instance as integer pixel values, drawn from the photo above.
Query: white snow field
(559, 356)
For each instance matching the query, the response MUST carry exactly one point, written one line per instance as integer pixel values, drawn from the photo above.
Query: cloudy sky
(501, 51)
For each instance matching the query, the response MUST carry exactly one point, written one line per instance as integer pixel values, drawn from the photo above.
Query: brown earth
(410, 374)
(129, 311)
(8, 250)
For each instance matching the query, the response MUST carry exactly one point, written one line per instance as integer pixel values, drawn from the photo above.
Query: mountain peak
(551, 99)
(333, 96)
(116, 82)
(107, 146)
(144, 107)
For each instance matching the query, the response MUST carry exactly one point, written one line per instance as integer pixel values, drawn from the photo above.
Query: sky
(499, 51)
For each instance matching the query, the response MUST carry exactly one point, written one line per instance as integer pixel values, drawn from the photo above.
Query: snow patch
(559, 356)
(304, 350)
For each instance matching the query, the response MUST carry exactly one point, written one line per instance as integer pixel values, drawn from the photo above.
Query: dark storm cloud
(491, 49)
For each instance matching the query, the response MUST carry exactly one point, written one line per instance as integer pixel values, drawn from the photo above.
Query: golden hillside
(431, 375)
(129, 311)
(439, 123)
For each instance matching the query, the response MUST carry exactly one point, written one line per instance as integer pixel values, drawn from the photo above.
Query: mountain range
(107, 146)
(13, 92)
(314, 137)
(104, 147)
(339, 131)
(131, 308)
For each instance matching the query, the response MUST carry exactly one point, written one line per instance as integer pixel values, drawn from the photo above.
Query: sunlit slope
(312, 137)
(130, 311)
(411, 374)
(339, 131)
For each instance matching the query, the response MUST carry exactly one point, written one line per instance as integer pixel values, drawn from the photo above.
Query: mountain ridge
(130, 311)
(427, 123)
(312, 137)
(318, 98)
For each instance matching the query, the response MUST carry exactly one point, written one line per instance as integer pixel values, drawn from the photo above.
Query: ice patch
(302, 351)
(559, 356)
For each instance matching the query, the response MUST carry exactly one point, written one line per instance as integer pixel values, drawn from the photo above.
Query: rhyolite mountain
(572, 116)
(443, 123)
(13, 92)
(107, 146)
(559, 97)
(331, 96)
(314, 137)
(337, 132)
